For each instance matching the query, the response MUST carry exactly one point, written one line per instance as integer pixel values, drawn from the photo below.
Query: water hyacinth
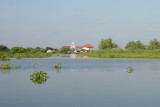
(130, 69)
(5, 66)
(4, 58)
(38, 77)
(15, 66)
(58, 65)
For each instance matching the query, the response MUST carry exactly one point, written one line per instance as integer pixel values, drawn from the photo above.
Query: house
(86, 47)
(49, 51)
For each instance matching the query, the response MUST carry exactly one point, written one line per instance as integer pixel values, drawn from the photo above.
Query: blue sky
(32, 23)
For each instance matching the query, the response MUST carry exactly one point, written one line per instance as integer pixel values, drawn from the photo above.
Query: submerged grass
(143, 54)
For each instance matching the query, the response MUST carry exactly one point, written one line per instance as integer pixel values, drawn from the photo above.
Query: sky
(53, 23)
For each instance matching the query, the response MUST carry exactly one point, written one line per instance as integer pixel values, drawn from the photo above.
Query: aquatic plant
(58, 65)
(130, 69)
(4, 58)
(38, 77)
(15, 66)
(5, 66)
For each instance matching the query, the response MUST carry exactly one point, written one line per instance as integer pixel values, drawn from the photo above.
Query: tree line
(109, 44)
(4, 48)
(14, 50)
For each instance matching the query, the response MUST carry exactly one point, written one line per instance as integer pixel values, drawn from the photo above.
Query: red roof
(88, 46)
(79, 47)
(66, 47)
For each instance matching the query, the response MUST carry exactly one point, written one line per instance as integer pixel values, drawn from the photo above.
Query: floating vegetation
(130, 69)
(38, 77)
(5, 66)
(18, 57)
(8, 66)
(4, 58)
(15, 66)
(58, 65)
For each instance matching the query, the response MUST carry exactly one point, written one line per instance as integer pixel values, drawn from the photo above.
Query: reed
(6, 56)
(109, 53)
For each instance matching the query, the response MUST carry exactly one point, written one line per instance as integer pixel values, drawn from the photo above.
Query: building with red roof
(85, 47)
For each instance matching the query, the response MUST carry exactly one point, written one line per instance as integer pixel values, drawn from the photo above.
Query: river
(81, 82)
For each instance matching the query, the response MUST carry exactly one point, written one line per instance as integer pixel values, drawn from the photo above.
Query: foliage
(18, 50)
(134, 45)
(5, 66)
(58, 65)
(154, 44)
(130, 69)
(64, 50)
(38, 77)
(107, 44)
(4, 58)
(15, 66)
(3, 48)
(132, 53)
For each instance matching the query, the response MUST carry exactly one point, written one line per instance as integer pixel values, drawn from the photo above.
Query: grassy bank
(109, 53)
(7, 56)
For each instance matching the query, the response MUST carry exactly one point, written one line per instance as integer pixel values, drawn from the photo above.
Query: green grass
(6, 56)
(143, 54)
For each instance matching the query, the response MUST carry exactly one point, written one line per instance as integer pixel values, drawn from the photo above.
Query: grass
(38, 77)
(6, 56)
(143, 54)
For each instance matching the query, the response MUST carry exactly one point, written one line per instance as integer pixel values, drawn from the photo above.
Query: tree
(139, 45)
(64, 50)
(107, 44)
(18, 50)
(135, 45)
(154, 44)
(130, 45)
(3, 48)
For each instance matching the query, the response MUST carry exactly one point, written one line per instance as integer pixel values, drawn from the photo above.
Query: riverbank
(109, 53)
(7, 56)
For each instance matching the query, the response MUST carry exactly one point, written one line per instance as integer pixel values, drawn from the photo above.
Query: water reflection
(5, 71)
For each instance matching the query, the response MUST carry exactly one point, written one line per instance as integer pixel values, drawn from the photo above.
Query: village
(73, 48)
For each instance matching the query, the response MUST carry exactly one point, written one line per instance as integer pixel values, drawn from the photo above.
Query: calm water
(82, 82)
